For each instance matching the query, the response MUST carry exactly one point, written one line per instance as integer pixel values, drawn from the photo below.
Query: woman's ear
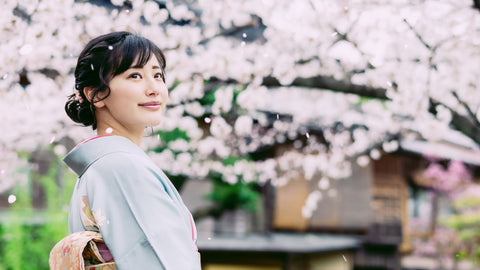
(89, 92)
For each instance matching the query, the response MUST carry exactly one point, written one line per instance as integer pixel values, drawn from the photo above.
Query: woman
(120, 90)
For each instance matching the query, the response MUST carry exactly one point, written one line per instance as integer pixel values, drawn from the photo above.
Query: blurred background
(302, 134)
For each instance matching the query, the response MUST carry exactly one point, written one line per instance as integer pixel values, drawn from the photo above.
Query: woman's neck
(133, 134)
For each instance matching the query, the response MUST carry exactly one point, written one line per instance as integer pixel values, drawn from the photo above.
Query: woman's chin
(153, 123)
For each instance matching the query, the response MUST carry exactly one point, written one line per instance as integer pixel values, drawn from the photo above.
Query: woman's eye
(158, 76)
(135, 76)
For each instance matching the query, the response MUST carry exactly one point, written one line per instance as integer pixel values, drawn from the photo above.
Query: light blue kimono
(139, 212)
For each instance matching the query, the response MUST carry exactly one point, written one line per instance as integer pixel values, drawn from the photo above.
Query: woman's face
(137, 97)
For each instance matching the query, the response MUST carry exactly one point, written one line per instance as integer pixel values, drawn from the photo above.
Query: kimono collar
(82, 156)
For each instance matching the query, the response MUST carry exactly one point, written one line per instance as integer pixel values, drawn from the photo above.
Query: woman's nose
(153, 87)
(152, 91)
(157, 88)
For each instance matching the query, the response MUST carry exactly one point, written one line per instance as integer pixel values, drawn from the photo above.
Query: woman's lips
(151, 105)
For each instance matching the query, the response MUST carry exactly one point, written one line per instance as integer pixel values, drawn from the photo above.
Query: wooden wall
(348, 210)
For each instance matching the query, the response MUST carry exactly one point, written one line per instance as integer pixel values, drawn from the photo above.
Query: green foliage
(467, 202)
(462, 221)
(465, 222)
(208, 98)
(167, 136)
(461, 256)
(228, 196)
(364, 100)
(237, 92)
(466, 234)
(28, 234)
(173, 135)
(230, 161)
(240, 195)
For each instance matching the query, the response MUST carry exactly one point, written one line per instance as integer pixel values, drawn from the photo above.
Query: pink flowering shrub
(449, 179)
(457, 234)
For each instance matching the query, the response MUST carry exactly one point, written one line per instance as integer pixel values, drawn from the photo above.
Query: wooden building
(371, 204)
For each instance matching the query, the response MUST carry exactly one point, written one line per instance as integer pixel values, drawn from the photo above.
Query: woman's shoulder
(118, 169)
(107, 151)
(124, 164)
(121, 161)
(127, 173)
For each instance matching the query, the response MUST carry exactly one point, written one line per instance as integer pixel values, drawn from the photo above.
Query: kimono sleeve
(142, 225)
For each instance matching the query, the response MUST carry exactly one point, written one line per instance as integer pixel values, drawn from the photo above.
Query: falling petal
(5, 76)
(242, 44)
(278, 116)
(91, 66)
(12, 198)
(209, 238)
(207, 120)
(244, 35)
(109, 130)
(375, 154)
(26, 49)
(363, 161)
(60, 150)
(110, 47)
(52, 140)
(324, 183)
(345, 259)
(308, 135)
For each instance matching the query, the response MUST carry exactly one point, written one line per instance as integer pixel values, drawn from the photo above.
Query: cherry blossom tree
(333, 81)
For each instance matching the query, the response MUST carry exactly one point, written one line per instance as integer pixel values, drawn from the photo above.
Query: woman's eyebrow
(139, 67)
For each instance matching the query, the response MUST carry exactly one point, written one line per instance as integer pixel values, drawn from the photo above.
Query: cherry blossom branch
(467, 108)
(461, 123)
(344, 36)
(310, 130)
(330, 83)
(318, 82)
(420, 38)
(470, 125)
(255, 26)
(464, 124)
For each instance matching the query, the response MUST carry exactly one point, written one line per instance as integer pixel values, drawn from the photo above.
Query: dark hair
(103, 58)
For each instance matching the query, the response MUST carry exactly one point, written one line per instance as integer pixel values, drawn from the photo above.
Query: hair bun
(79, 112)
